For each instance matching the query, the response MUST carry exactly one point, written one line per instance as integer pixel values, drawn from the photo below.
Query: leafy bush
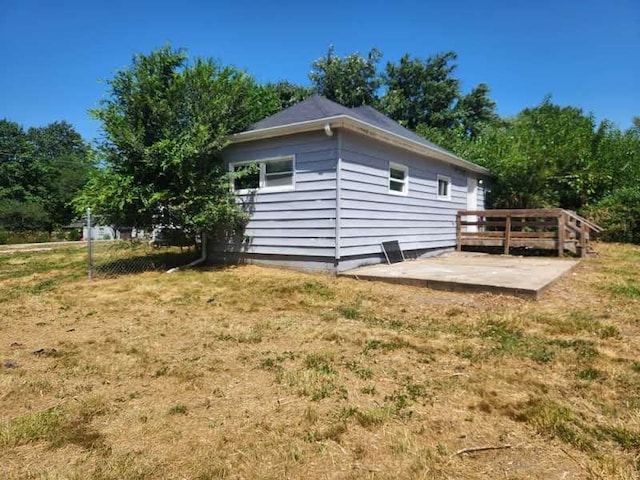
(74, 235)
(21, 216)
(619, 214)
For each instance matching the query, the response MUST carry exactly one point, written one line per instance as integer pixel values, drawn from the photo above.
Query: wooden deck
(546, 229)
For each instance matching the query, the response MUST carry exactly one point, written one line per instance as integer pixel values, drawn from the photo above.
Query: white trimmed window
(398, 179)
(267, 175)
(444, 188)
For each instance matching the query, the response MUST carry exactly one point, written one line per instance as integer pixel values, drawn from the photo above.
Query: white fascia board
(364, 128)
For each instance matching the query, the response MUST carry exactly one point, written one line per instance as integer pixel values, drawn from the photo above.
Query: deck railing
(546, 229)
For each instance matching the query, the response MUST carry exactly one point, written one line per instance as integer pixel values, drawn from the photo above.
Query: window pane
(443, 188)
(278, 180)
(395, 173)
(279, 167)
(248, 181)
(396, 186)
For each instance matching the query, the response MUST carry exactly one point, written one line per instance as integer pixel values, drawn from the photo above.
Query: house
(97, 231)
(333, 183)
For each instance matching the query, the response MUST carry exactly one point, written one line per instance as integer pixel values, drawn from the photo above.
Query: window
(278, 173)
(398, 179)
(271, 174)
(250, 178)
(444, 188)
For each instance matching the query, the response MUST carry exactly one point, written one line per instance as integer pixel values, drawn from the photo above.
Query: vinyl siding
(300, 222)
(371, 215)
(482, 198)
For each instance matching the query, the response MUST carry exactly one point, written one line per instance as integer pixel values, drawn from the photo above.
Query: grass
(292, 375)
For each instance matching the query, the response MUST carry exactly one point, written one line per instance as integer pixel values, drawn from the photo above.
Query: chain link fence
(112, 252)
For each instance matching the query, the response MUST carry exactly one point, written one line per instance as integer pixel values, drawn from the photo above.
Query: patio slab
(526, 277)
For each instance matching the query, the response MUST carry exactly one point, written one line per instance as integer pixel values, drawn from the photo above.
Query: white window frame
(262, 188)
(405, 182)
(443, 178)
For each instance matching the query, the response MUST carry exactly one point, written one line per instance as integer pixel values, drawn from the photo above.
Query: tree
(476, 110)
(351, 81)
(422, 91)
(619, 214)
(425, 96)
(41, 170)
(543, 157)
(286, 93)
(65, 162)
(15, 161)
(165, 123)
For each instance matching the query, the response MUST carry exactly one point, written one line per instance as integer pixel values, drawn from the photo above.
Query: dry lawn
(253, 372)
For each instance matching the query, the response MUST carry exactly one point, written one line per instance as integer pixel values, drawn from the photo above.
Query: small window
(398, 179)
(271, 174)
(444, 188)
(250, 178)
(278, 173)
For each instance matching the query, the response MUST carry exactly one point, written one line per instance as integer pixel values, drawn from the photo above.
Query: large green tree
(41, 170)
(65, 162)
(165, 122)
(425, 95)
(286, 94)
(422, 91)
(351, 81)
(554, 156)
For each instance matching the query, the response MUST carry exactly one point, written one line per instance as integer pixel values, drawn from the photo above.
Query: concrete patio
(526, 277)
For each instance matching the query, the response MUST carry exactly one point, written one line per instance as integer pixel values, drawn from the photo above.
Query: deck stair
(545, 229)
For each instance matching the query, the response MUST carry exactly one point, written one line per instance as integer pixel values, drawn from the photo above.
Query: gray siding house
(334, 183)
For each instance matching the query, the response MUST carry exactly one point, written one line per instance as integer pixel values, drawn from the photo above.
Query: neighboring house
(101, 231)
(334, 182)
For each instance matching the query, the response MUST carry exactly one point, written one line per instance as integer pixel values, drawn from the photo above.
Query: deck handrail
(581, 219)
(553, 228)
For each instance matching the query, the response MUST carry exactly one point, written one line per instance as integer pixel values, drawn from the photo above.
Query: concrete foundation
(526, 277)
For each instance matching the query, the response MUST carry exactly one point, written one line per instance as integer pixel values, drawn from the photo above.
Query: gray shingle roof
(312, 108)
(371, 115)
(317, 107)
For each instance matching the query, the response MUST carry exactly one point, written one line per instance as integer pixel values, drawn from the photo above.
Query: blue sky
(56, 54)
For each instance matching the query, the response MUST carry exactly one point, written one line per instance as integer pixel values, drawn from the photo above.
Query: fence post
(562, 221)
(507, 234)
(459, 232)
(89, 246)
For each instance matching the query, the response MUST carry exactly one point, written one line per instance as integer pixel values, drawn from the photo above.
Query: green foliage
(40, 172)
(351, 81)
(541, 158)
(555, 156)
(65, 162)
(619, 213)
(422, 91)
(425, 95)
(286, 93)
(165, 122)
(24, 215)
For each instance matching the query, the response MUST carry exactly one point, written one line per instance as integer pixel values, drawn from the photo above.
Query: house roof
(317, 113)
(314, 107)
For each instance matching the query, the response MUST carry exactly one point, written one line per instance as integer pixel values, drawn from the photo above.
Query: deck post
(561, 234)
(507, 235)
(459, 232)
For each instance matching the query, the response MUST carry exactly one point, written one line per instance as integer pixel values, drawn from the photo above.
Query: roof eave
(358, 126)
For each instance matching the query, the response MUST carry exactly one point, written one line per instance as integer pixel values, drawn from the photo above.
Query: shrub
(619, 214)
